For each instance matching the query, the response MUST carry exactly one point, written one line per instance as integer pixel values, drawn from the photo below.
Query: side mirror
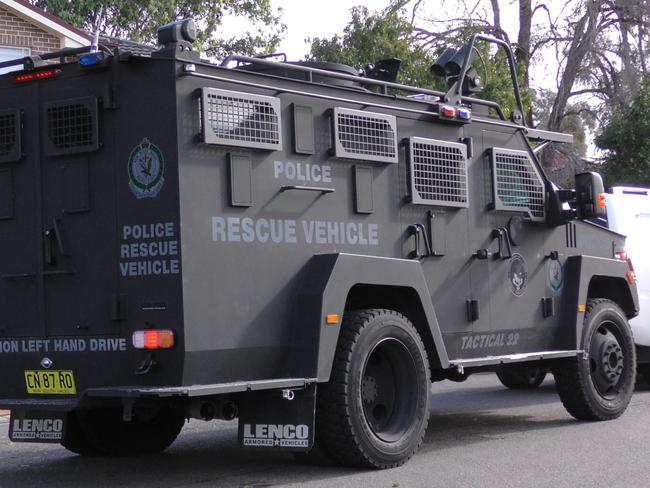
(590, 201)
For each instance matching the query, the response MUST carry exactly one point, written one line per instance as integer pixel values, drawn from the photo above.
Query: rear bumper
(95, 395)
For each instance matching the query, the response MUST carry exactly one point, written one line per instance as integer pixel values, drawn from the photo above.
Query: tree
(371, 37)
(138, 20)
(626, 142)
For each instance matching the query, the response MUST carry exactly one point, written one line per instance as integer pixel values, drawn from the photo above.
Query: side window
(7, 53)
(517, 185)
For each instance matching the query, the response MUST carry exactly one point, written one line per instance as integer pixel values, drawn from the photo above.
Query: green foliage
(138, 20)
(371, 37)
(626, 142)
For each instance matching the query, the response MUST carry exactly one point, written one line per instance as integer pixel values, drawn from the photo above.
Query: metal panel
(363, 135)
(517, 184)
(75, 186)
(438, 172)
(303, 130)
(232, 118)
(363, 189)
(241, 180)
(10, 135)
(71, 126)
(6, 195)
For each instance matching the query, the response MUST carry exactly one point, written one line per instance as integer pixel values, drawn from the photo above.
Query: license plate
(50, 383)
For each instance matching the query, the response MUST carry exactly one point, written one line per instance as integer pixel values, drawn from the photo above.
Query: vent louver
(365, 135)
(71, 126)
(10, 140)
(240, 119)
(438, 172)
(517, 183)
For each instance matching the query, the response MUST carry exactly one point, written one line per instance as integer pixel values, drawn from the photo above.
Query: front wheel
(375, 409)
(599, 384)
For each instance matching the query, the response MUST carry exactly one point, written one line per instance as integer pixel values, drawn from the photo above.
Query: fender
(324, 290)
(580, 271)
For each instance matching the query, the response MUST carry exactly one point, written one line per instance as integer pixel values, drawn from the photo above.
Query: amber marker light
(582, 308)
(332, 319)
(153, 339)
(602, 202)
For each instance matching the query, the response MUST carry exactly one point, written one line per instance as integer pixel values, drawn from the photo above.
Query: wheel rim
(389, 390)
(606, 360)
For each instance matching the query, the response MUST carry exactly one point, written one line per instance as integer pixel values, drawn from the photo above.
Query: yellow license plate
(50, 382)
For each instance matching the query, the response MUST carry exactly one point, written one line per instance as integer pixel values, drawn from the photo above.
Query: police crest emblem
(146, 167)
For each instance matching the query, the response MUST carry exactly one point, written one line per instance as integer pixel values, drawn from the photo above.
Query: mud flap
(34, 426)
(270, 419)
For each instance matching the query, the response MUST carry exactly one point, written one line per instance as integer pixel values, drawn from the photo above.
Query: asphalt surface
(480, 435)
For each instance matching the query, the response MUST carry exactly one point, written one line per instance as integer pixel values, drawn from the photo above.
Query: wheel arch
(404, 300)
(614, 289)
(334, 283)
(589, 277)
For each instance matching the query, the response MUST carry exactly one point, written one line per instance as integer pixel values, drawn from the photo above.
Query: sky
(315, 18)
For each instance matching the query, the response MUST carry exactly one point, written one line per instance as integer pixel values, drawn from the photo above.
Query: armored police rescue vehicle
(296, 245)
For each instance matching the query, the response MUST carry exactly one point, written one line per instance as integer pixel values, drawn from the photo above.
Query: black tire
(374, 411)
(75, 440)
(523, 377)
(599, 384)
(102, 431)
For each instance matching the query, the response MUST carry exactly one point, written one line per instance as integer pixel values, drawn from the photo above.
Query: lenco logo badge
(41, 429)
(276, 435)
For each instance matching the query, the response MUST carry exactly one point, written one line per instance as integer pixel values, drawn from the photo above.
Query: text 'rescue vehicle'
(295, 245)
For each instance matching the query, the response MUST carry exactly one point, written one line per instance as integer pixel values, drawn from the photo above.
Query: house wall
(14, 31)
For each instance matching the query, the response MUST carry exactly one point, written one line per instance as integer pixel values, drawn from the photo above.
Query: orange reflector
(332, 318)
(153, 339)
(602, 202)
(631, 277)
(582, 308)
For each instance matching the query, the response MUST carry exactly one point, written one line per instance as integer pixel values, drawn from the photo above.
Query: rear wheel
(524, 377)
(375, 409)
(103, 431)
(599, 384)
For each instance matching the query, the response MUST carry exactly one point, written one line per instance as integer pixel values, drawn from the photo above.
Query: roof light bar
(37, 75)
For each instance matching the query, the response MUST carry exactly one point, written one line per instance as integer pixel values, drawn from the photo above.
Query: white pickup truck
(628, 213)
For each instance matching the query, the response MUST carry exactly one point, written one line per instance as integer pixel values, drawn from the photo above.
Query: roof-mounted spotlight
(182, 30)
(176, 39)
(439, 67)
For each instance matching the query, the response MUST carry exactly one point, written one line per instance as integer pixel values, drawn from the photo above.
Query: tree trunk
(584, 34)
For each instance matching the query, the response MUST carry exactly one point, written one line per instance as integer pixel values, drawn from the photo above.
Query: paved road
(480, 435)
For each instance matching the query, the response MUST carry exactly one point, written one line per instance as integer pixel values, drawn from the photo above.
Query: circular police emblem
(146, 167)
(518, 274)
(556, 275)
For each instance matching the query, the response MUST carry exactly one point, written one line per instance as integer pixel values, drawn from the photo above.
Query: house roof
(75, 37)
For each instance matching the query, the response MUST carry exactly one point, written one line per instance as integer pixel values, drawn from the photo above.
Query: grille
(71, 126)
(240, 119)
(438, 171)
(365, 135)
(517, 183)
(10, 149)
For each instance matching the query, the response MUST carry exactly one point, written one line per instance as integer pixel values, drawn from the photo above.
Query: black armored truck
(300, 246)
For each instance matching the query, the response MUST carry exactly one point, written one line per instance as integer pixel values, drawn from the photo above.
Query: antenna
(94, 47)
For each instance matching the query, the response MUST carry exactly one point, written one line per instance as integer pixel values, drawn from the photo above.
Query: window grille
(240, 119)
(365, 135)
(517, 183)
(438, 172)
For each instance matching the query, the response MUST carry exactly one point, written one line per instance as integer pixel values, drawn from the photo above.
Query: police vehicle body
(295, 246)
